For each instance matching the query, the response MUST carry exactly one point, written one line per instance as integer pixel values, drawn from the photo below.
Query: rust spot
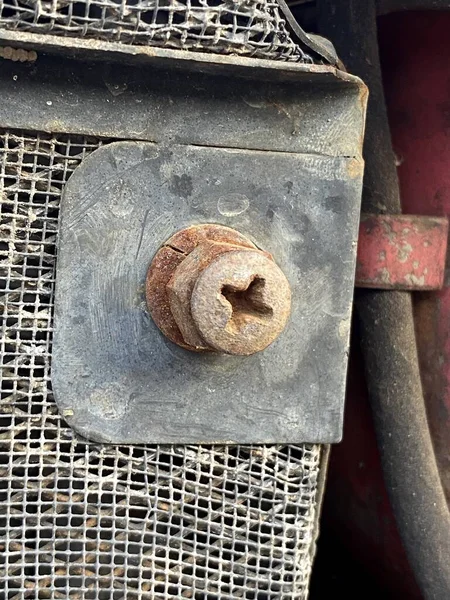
(241, 302)
(211, 289)
(355, 168)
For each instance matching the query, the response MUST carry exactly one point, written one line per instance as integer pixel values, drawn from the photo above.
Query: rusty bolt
(211, 289)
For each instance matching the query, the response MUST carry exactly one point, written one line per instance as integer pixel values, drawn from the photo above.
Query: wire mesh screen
(87, 521)
(244, 27)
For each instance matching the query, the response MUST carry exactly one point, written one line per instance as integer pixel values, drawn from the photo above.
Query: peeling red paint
(401, 252)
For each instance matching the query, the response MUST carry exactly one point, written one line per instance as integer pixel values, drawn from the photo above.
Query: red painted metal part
(415, 50)
(401, 252)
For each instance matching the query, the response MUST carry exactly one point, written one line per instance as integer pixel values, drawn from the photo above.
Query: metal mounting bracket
(270, 149)
(117, 378)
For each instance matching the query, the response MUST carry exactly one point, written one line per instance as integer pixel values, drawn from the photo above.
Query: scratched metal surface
(117, 379)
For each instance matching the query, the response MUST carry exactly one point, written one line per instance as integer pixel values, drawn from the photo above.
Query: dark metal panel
(155, 104)
(116, 378)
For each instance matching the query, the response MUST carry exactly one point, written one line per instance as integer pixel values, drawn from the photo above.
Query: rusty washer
(209, 288)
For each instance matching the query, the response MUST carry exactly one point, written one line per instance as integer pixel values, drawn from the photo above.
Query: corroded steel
(211, 289)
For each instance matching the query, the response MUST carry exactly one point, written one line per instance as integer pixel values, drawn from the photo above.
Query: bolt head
(241, 302)
(210, 289)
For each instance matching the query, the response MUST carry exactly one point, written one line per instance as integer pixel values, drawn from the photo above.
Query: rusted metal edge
(401, 252)
(255, 68)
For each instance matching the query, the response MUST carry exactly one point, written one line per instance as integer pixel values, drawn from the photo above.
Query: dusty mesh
(88, 521)
(244, 27)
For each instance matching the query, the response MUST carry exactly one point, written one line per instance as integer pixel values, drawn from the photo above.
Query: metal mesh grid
(244, 27)
(87, 521)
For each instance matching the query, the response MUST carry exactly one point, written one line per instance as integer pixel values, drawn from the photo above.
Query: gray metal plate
(117, 379)
(277, 106)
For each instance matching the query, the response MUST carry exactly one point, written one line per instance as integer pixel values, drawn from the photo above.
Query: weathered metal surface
(176, 515)
(277, 106)
(241, 302)
(164, 264)
(401, 252)
(253, 28)
(118, 379)
(92, 50)
(236, 305)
